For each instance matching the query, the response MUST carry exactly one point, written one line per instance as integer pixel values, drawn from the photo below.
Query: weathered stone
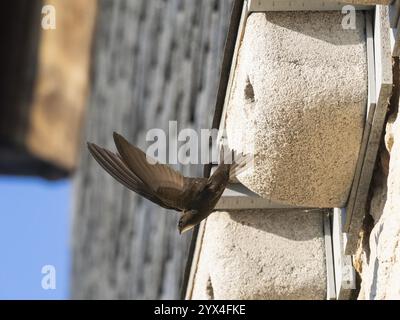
(381, 268)
(305, 115)
(262, 255)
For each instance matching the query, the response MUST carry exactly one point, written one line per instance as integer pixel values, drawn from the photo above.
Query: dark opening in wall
(249, 91)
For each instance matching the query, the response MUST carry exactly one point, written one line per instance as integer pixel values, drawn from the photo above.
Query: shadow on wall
(314, 25)
(272, 222)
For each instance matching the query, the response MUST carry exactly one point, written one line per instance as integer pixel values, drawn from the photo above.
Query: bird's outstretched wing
(154, 181)
(115, 166)
(154, 174)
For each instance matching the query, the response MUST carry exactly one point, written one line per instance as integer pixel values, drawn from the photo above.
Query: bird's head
(188, 220)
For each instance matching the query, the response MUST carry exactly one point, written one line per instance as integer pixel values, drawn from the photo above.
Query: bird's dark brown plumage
(159, 183)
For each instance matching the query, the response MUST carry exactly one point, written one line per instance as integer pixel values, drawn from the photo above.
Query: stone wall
(262, 254)
(308, 82)
(299, 95)
(378, 258)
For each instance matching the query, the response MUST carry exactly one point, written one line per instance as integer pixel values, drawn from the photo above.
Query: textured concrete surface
(381, 260)
(299, 97)
(262, 255)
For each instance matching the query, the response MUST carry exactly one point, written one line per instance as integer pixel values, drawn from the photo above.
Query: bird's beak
(185, 229)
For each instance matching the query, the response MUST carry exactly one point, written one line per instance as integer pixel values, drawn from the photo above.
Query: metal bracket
(330, 271)
(237, 197)
(345, 275)
(380, 87)
(371, 104)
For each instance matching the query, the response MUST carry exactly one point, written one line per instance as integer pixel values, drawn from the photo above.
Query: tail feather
(239, 161)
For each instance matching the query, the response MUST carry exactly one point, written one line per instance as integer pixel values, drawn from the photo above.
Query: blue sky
(34, 231)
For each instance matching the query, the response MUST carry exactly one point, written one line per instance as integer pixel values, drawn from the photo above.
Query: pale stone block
(262, 255)
(298, 99)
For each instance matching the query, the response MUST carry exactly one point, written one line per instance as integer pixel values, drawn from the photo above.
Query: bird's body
(159, 183)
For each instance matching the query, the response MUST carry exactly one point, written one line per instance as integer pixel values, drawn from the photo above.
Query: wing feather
(156, 182)
(115, 166)
(154, 175)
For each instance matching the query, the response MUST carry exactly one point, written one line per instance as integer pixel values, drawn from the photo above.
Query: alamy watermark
(49, 277)
(49, 21)
(189, 146)
(49, 18)
(349, 19)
